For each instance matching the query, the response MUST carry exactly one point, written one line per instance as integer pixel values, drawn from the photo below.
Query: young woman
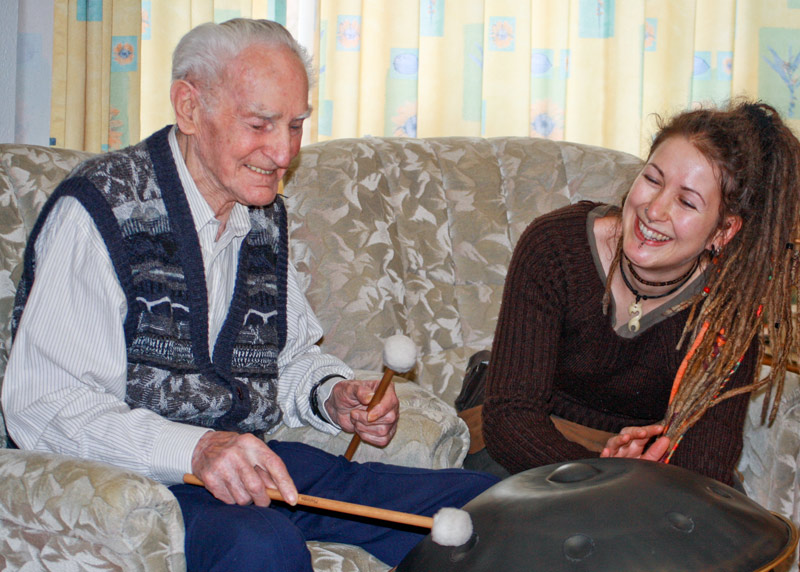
(638, 331)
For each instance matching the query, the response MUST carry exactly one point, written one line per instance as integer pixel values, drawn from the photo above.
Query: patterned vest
(138, 204)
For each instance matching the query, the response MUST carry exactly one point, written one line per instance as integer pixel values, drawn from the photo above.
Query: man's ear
(186, 103)
(732, 225)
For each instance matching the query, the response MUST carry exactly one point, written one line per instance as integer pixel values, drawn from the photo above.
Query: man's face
(250, 128)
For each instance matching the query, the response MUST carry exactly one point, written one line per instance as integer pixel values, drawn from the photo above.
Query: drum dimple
(720, 491)
(459, 552)
(573, 473)
(680, 522)
(577, 547)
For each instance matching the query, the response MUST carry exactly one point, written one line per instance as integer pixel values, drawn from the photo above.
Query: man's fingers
(275, 476)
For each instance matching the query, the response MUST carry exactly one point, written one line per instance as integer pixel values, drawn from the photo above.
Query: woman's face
(672, 212)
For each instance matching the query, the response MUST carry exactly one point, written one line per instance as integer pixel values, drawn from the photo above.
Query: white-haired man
(159, 325)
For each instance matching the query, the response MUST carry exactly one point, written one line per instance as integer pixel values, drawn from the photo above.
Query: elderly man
(160, 327)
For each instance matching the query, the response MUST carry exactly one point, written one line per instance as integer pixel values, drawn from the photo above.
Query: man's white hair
(203, 53)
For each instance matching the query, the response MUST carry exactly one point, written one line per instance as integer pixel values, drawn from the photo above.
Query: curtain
(95, 85)
(164, 23)
(591, 71)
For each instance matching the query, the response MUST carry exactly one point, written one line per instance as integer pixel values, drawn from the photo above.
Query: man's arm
(342, 401)
(64, 387)
(302, 365)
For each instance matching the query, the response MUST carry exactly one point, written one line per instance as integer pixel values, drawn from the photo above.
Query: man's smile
(259, 170)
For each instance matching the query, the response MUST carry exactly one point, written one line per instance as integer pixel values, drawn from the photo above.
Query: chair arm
(62, 511)
(429, 434)
(770, 461)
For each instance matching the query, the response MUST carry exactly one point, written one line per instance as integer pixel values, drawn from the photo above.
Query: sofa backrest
(413, 236)
(389, 235)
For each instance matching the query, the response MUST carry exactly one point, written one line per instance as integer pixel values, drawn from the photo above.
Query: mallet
(399, 356)
(449, 526)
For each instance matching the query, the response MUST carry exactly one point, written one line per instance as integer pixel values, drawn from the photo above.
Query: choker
(635, 309)
(657, 284)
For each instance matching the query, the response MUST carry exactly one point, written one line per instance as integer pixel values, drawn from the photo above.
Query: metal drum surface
(612, 515)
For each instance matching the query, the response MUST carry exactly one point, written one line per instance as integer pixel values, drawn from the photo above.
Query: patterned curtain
(591, 71)
(165, 22)
(95, 89)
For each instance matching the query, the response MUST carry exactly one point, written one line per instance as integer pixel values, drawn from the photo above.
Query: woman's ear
(186, 103)
(732, 225)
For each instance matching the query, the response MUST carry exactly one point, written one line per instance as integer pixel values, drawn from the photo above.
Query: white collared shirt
(65, 383)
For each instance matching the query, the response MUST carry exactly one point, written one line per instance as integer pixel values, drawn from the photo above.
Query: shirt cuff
(172, 451)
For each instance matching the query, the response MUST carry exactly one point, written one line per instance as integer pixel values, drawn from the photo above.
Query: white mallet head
(399, 353)
(451, 527)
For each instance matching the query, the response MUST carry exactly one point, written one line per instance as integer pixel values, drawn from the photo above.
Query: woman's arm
(516, 421)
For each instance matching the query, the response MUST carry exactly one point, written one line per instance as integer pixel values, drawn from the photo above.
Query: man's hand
(347, 406)
(238, 468)
(632, 443)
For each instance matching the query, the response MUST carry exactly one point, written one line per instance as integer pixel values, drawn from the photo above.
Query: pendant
(635, 312)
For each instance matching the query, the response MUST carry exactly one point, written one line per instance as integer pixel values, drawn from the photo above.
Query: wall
(26, 55)
(9, 10)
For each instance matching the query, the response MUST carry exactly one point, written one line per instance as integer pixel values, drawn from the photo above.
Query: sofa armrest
(429, 434)
(62, 511)
(770, 461)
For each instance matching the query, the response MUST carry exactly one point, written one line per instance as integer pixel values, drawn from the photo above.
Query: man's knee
(221, 537)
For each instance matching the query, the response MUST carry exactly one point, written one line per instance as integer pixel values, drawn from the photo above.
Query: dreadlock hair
(751, 280)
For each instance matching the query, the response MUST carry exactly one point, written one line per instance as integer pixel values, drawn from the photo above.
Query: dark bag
(472, 389)
(469, 403)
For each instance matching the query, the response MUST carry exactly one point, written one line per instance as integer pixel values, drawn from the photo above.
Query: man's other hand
(347, 406)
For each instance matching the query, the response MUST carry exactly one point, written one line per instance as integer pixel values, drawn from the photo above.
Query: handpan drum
(612, 515)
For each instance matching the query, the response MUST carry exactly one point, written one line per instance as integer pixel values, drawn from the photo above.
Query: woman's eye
(688, 204)
(651, 179)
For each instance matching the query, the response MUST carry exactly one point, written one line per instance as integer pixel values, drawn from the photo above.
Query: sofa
(389, 235)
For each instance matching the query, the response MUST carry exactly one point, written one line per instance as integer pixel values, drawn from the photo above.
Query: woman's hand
(632, 443)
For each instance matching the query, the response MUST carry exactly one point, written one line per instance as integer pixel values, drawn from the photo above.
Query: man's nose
(279, 147)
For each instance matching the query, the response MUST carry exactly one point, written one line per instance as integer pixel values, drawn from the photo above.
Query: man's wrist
(313, 398)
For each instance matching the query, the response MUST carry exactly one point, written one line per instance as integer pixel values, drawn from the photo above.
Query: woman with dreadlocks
(638, 331)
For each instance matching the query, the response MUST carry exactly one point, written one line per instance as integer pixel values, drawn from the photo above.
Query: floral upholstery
(389, 236)
(420, 232)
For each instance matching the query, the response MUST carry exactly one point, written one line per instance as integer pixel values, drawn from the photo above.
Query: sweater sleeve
(517, 428)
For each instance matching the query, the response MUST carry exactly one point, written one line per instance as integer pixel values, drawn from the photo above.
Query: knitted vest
(138, 204)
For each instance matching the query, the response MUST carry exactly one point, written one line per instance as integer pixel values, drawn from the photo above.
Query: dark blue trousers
(231, 537)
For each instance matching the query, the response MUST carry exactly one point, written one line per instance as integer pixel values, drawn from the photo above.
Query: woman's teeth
(651, 234)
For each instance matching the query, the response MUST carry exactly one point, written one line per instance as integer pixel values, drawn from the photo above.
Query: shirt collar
(202, 214)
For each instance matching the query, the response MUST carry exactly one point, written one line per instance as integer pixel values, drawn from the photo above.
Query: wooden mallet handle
(376, 398)
(342, 507)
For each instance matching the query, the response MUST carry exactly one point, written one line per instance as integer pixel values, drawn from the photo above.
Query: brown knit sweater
(556, 353)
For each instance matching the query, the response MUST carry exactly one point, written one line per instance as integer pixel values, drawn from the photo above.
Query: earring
(713, 251)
